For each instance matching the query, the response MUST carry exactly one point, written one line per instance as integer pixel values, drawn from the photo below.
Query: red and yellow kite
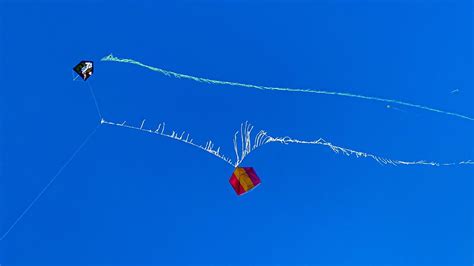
(244, 179)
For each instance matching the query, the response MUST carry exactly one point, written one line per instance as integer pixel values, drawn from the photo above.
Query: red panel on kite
(253, 176)
(244, 179)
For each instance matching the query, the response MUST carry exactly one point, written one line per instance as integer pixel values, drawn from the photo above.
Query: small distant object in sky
(455, 91)
(395, 108)
(84, 69)
(244, 179)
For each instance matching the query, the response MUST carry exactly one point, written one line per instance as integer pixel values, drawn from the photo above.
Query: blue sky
(129, 197)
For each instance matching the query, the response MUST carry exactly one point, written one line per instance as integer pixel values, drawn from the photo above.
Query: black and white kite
(84, 69)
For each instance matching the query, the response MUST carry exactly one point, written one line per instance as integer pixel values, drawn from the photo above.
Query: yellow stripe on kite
(244, 179)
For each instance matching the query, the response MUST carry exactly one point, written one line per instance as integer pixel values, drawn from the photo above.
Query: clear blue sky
(129, 197)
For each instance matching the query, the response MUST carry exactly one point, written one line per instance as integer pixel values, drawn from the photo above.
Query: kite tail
(244, 144)
(168, 73)
(160, 130)
(263, 138)
(359, 154)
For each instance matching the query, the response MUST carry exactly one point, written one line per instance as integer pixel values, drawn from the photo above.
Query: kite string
(62, 167)
(51, 181)
(95, 100)
(112, 58)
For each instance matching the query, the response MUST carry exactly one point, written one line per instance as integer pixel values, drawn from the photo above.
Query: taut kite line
(112, 58)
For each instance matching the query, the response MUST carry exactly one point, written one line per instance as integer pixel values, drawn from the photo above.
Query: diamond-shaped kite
(244, 179)
(84, 69)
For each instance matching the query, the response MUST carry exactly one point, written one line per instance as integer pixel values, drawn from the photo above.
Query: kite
(84, 69)
(244, 179)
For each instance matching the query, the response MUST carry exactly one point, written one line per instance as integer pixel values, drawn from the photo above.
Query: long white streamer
(248, 144)
(359, 154)
(237, 84)
(160, 130)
